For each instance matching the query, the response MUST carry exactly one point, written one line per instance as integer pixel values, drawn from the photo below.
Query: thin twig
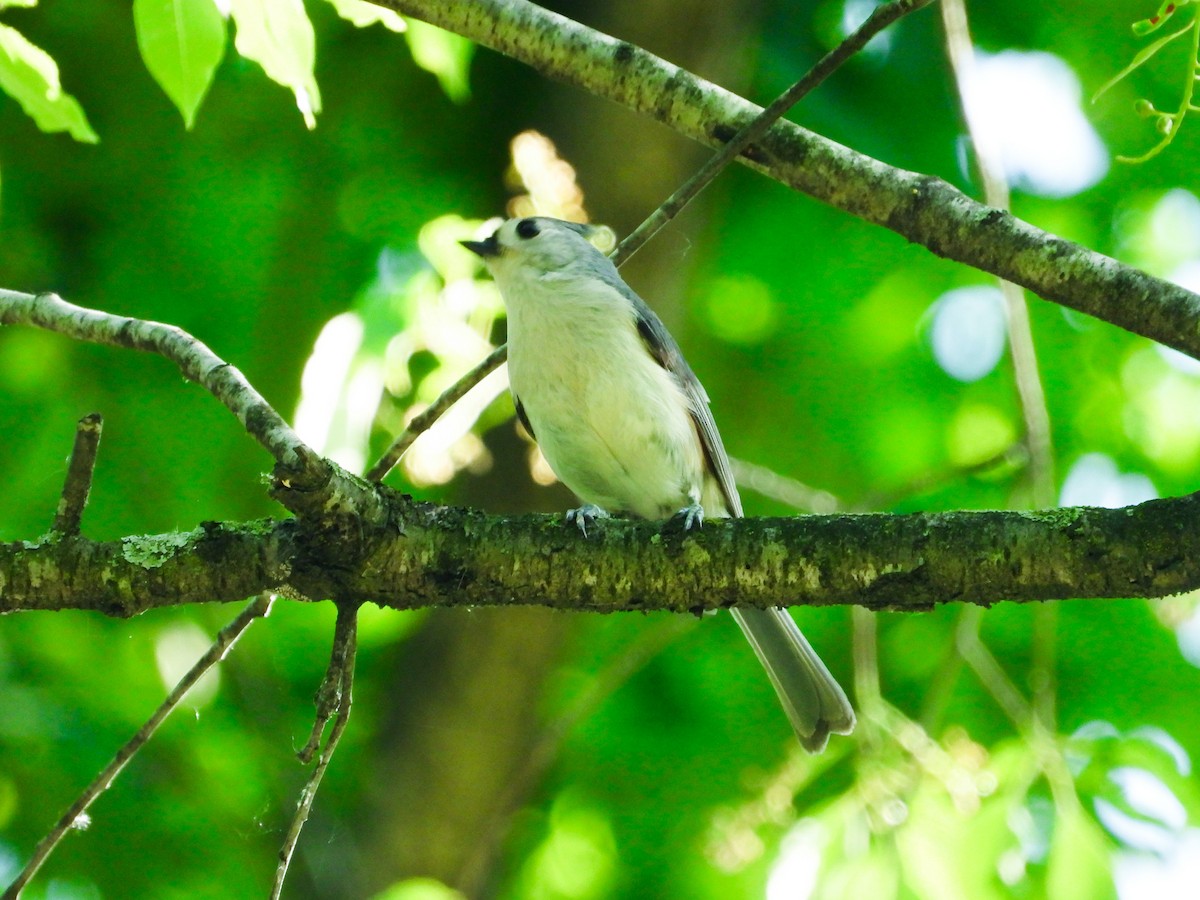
(329, 694)
(989, 671)
(424, 421)
(940, 687)
(867, 692)
(784, 489)
(1030, 391)
(222, 644)
(804, 498)
(879, 19)
(1032, 397)
(346, 632)
(78, 483)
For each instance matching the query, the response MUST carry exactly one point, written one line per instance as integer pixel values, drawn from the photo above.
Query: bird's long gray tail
(815, 704)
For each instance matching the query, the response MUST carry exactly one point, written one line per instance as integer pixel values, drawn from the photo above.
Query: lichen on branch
(427, 555)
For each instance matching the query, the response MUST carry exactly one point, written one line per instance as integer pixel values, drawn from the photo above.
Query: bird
(604, 389)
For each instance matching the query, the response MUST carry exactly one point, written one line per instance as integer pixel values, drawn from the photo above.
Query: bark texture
(425, 555)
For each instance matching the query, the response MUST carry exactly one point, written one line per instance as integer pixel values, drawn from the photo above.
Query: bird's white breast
(613, 423)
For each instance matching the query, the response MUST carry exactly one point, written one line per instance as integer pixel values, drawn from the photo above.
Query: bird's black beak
(485, 249)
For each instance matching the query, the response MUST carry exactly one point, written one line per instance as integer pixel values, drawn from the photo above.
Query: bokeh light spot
(1094, 480)
(1162, 415)
(176, 651)
(577, 858)
(978, 433)
(740, 309)
(968, 331)
(1174, 226)
(1027, 108)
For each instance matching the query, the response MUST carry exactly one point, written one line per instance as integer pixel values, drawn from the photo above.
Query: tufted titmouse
(624, 423)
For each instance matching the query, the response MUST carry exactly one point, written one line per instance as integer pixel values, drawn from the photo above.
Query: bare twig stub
(332, 693)
(78, 484)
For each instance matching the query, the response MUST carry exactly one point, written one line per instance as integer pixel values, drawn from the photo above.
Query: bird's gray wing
(666, 351)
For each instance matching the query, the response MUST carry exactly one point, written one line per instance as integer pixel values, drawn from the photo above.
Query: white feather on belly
(612, 422)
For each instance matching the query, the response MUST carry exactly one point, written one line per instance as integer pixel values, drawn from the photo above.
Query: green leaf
(28, 4)
(182, 42)
(363, 14)
(30, 76)
(444, 54)
(1144, 54)
(278, 35)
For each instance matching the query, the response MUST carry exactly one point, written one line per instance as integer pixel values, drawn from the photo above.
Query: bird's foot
(584, 516)
(691, 516)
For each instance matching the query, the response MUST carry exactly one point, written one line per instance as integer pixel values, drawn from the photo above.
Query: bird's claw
(584, 516)
(691, 516)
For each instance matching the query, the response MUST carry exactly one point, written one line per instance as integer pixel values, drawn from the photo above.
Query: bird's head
(536, 245)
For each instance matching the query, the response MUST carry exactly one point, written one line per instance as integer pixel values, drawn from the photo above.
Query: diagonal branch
(197, 362)
(310, 486)
(921, 208)
(752, 131)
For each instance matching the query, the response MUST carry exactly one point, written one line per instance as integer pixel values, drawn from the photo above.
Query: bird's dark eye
(527, 228)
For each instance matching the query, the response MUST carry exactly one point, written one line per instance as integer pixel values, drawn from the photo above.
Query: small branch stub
(78, 483)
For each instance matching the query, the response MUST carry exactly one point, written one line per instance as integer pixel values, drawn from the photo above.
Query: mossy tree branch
(427, 555)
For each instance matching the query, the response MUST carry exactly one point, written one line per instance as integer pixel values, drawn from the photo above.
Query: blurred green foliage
(322, 263)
